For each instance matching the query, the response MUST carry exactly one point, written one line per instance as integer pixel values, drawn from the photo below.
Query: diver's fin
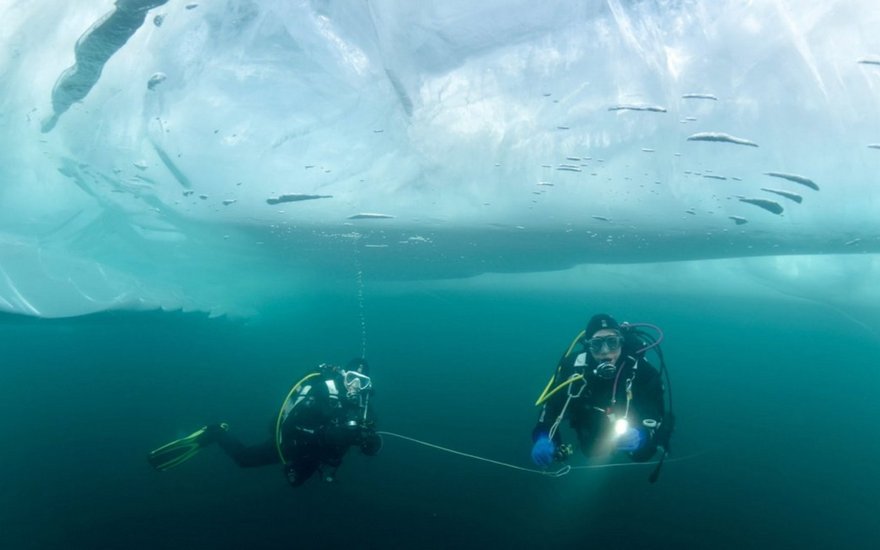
(180, 450)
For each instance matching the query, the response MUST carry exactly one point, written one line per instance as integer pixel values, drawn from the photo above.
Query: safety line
(558, 473)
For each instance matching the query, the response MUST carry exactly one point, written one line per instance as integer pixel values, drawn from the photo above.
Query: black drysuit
(592, 410)
(320, 423)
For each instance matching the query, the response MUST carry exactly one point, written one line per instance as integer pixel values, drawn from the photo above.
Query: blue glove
(630, 440)
(543, 451)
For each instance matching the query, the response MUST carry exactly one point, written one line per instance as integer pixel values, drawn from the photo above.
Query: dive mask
(355, 383)
(611, 343)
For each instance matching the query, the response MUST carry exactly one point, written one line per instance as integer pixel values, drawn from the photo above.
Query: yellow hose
(544, 395)
(281, 413)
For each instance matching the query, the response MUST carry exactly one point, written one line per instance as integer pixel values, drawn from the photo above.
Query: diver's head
(359, 365)
(356, 377)
(604, 341)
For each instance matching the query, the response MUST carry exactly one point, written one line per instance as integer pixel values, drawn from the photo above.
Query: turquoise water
(776, 406)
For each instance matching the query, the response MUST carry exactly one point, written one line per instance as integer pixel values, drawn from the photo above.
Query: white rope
(558, 473)
(622, 464)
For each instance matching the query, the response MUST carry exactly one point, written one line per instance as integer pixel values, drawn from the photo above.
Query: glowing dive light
(620, 427)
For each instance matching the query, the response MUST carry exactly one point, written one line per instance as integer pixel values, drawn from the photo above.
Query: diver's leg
(300, 469)
(180, 450)
(252, 456)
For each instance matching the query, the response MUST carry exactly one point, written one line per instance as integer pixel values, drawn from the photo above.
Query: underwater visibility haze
(199, 201)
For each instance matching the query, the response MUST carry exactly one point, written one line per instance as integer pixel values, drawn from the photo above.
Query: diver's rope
(652, 463)
(558, 473)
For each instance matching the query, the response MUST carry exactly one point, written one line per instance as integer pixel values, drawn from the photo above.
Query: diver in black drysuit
(617, 385)
(325, 416)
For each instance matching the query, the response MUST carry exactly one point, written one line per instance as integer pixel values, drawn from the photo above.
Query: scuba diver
(612, 396)
(324, 414)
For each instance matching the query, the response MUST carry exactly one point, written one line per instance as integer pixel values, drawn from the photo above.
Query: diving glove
(543, 451)
(630, 440)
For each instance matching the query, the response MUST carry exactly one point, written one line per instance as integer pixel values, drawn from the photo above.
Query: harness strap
(573, 378)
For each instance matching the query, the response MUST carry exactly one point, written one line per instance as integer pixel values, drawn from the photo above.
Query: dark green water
(776, 406)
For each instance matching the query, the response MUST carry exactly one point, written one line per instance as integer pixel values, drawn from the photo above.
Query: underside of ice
(160, 156)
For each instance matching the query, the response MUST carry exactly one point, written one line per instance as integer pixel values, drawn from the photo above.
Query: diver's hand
(292, 475)
(371, 443)
(630, 440)
(543, 451)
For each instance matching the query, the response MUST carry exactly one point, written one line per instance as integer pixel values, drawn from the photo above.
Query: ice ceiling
(210, 155)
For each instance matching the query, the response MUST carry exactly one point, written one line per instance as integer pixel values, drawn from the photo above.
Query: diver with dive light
(612, 396)
(324, 414)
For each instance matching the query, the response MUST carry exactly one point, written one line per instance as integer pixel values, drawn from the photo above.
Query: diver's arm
(651, 404)
(370, 420)
(650, 407)
(545, 422)
(550, 409)
(369, 441)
